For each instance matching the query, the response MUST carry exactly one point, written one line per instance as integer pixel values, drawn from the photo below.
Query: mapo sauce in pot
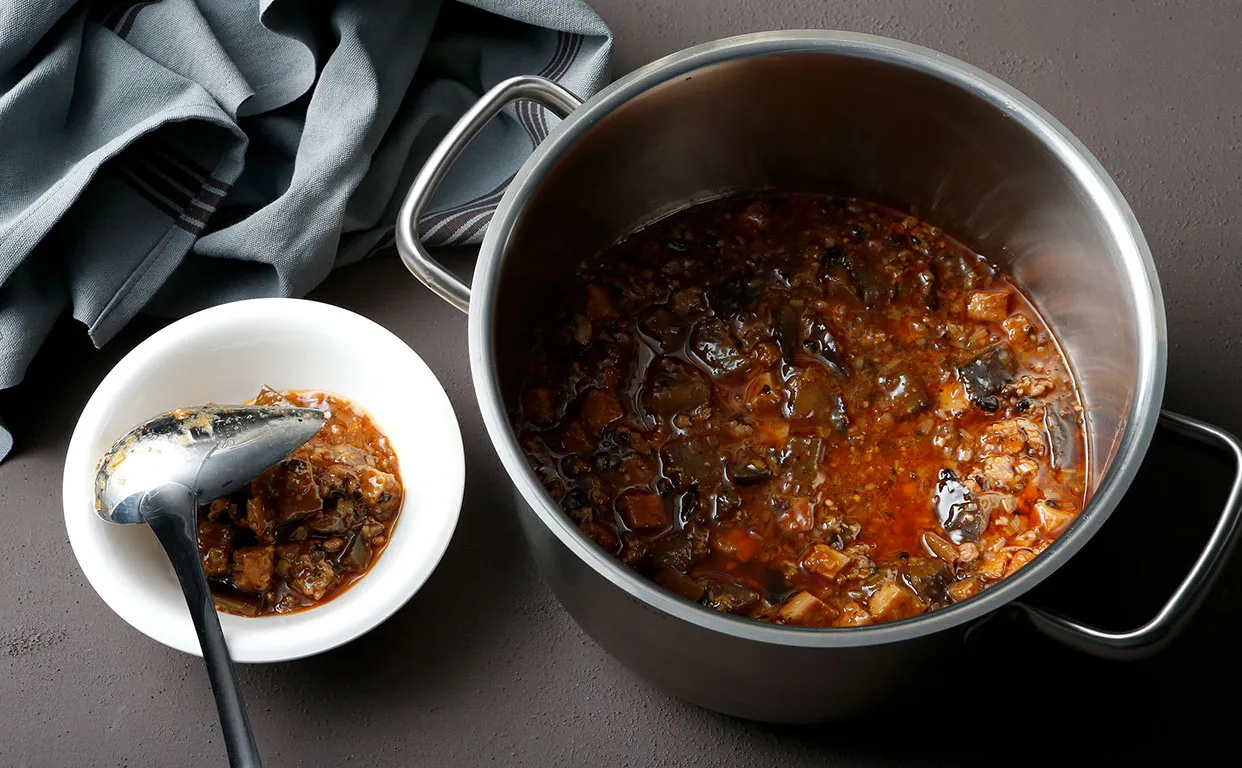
(806, 410)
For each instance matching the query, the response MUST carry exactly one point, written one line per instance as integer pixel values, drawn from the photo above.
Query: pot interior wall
(849, 125)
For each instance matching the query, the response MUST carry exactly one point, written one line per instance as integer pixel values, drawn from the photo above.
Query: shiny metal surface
(211, 450)
(413, 253)
(857, 115)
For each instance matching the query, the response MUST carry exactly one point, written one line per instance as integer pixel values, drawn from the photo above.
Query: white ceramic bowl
(224, 355)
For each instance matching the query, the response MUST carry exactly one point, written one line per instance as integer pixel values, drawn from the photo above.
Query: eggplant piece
(674, 551)
(675, 387)
(716, 348)
(802, 458)
(679, 583)
(822, 345)
(905, 395)
(1060, 432)
(693, 463)
(787, 324)
(919, 287)
(813, 395)
(735, 297)
(667, 328)
(602, 535)
(868, 274)
(221, 508)
(960, 515)
(746, 469)
(986, 374)
(836, 282)
(236, 602)
(728, 502)
(929, 577)
(539, 406)
(357, 556)
(633, 550)
(794, 331)
(729, 596)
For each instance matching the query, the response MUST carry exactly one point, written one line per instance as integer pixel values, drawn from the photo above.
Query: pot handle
(413, 253)
(1157, 632)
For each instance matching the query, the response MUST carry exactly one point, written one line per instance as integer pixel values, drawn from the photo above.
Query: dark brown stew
(305, 530)
(806, 410)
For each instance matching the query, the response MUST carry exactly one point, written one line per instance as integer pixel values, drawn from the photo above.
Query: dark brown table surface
(483, 667)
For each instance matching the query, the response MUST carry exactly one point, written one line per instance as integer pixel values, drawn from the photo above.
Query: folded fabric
(168, 156)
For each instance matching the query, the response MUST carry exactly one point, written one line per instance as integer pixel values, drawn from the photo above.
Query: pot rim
(1103, 192)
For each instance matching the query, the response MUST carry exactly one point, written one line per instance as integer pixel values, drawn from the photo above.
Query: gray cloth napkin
(168, 156)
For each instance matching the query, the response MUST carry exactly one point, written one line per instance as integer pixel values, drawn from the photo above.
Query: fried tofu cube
(599, 303)
(643, 510)
(852, 615)
(773, 432)
(825, 561)
(988, 306)
(798, 516)
(1019, 559)
(806, 609)
(539, 405)
(893, 601)
(1051, 518)
(253, 568)
(599, 409)
(258, 516)
(962, 590)
(215, 546)
(952, 399)
(735, 543)
(220, 508)
(993, 565)
(313, 579)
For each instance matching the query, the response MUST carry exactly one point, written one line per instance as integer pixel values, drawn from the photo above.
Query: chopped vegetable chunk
(989, 306)
(893, 601)
(599, 409)
(805, 608)
(825, 562)
(643, 510)
(252, 568)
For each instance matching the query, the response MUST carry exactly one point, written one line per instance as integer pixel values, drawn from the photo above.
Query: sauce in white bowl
(223, 355)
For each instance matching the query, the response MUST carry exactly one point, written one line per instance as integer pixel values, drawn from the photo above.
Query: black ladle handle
(169, 510)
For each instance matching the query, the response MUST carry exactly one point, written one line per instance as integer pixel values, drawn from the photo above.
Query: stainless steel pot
(861, 115)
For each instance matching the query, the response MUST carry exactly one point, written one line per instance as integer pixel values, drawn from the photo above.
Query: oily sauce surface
(806, 410)
(308, 528)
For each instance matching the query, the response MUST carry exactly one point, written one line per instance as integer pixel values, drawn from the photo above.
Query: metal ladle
(157, 473)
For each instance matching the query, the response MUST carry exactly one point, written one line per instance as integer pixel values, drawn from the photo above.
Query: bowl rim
(355, 618)
(1143, 284)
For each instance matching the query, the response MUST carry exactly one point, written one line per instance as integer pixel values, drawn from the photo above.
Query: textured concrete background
(484, 667)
